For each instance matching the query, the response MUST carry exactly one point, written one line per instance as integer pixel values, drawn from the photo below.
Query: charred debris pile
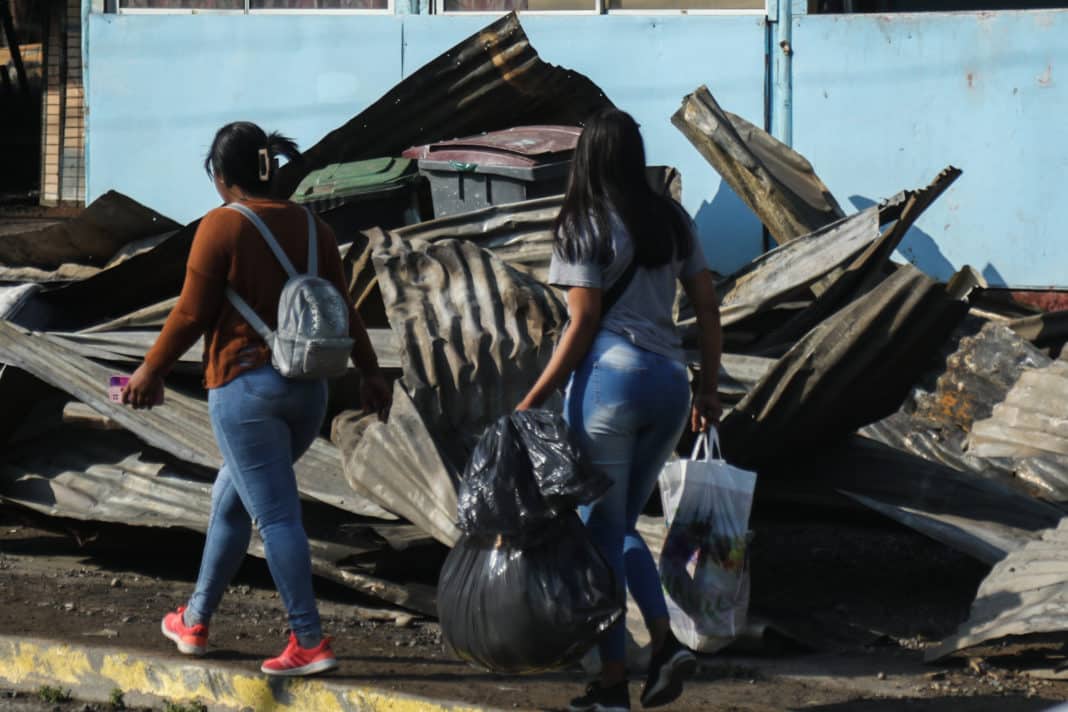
(851, 380)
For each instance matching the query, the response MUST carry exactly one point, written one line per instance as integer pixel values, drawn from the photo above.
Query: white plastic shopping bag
(704, 566)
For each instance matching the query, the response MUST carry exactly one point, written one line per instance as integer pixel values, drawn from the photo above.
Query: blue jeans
(628, 407)
(263, 423)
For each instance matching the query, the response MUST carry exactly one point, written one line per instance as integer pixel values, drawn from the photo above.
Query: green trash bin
(378, 192)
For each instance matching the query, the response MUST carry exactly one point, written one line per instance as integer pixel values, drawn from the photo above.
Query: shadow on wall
(918, 247)
(730, 234)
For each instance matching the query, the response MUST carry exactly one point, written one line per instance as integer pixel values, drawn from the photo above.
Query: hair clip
(265, 164)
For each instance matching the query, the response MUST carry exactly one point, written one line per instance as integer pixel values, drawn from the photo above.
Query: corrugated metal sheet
(398, 465)
(492, 80)
(774, 180)
(981, 367)
(109, 477)
(182, 427)
(1025, 594)
(518, 233)
(853, 369)
(1031, 421)
(106, 225)
(866, 270)
(981, 518)
(139, 281)
(779, 275)
(474, 333)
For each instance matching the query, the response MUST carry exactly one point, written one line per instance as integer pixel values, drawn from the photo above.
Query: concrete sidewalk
(92, 672)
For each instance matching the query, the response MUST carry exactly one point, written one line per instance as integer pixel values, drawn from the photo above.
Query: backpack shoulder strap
(268, 237)
(251, 316)
(313, 245)
(616, 290)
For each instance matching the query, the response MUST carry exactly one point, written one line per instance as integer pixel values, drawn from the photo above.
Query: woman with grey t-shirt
(619, 248)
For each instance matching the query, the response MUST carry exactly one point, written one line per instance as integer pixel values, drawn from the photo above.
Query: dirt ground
(875, 596)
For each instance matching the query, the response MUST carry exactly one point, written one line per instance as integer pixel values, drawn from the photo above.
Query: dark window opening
(858, 6)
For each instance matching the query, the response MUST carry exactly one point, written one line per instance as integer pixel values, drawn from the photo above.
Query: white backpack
(312, 339)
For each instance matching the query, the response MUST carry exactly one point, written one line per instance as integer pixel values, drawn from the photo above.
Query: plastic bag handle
(708, 443)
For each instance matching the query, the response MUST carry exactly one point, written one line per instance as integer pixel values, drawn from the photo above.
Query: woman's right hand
(375, 395)
(705, 412)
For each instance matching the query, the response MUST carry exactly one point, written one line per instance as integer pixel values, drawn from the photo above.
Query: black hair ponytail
(242, 154)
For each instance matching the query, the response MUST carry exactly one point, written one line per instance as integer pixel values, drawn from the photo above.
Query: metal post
(13, 46)
(781, 56)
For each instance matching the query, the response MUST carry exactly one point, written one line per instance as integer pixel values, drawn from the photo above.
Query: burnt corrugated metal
(181, 427)
(140, 281)
(981, 518)
(474, 333)
(779, 275)
(980, 369)
(1030, 421)
(853, 369)
(866, 270)
(518, 233)
(109, 477)
(91, 239)
(1025, 594)
(778, 183)
(492, 80)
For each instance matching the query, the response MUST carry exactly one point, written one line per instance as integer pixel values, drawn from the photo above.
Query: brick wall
(63, 124)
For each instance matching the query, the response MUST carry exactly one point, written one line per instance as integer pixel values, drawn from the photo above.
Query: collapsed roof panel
(107, 476)
(981, 518)
(776, 275)
(182, 427)
(775, 181)
(474, 333)
(492, 80)
(1025, 594)
(853, 369)
(398, 465)
(106, 225)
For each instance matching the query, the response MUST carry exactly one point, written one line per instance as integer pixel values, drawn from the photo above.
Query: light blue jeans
(628, 407)
(263, 423)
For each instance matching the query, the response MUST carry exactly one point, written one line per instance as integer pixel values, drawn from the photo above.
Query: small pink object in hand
(116, 384)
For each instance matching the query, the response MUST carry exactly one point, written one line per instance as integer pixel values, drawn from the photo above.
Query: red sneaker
(191, 640)
(295, 660)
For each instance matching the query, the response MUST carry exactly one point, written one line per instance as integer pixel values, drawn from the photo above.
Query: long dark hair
(608, 178)
(242, 154)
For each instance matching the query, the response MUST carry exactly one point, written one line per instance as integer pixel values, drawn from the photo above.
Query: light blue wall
(880, 103)
(160, 85)
(883, 103)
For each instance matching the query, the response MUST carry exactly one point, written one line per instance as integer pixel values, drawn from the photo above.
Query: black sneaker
(672, 665)
(603, 699)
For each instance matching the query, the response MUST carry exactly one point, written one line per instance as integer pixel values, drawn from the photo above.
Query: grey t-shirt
(643, 312)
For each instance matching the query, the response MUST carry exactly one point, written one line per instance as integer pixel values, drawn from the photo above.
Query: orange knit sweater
(228, 250)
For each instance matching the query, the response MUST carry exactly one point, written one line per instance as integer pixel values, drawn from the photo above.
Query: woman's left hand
(145, 388)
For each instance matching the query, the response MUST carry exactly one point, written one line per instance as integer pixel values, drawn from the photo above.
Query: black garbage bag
(525, 588)
(525, 470)
(516, 607)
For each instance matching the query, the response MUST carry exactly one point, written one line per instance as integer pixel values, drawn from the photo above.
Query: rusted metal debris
(775, 181)
(492, 80)
(826, 386)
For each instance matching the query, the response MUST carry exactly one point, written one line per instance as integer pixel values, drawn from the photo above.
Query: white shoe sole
(309, 669)
(183, 647)
(679, 667)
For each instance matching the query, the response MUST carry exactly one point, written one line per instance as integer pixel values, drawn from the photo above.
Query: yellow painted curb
(91, 673)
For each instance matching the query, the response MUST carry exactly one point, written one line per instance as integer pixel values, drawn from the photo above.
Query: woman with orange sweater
(263, 422)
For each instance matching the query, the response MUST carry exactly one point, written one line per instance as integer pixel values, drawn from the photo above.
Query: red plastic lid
(521, 146)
